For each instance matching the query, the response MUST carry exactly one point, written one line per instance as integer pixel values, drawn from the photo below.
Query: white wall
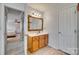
(15, 6)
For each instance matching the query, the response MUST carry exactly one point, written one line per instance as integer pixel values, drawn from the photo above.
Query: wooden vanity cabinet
(37, 42)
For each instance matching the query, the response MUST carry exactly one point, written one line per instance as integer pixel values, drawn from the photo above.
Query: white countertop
(36, 34)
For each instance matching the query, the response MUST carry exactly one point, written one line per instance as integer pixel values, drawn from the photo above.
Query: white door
(67, 30)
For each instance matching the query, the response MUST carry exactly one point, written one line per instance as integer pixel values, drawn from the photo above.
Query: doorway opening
(14, 31)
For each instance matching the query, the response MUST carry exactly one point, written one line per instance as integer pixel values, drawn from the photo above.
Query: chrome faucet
(38, 32)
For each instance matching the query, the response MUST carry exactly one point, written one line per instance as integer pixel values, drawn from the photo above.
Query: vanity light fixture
(36, 13)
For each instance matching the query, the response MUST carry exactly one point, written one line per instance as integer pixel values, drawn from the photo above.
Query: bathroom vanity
(36, 42)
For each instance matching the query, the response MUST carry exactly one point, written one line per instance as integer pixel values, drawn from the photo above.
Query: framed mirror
(35, 24)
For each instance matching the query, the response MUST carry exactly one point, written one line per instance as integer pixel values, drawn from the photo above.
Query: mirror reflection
(35, 24)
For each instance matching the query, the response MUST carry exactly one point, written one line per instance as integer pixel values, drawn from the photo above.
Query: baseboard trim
(60, 50)
(64, 52)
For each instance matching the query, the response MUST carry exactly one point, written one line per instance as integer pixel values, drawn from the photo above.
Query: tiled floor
(47, 51)
(15, 47)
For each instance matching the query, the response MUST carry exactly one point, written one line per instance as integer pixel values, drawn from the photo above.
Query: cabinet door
(29, 45)
(46, 39)
(41, 41)
(35, 43)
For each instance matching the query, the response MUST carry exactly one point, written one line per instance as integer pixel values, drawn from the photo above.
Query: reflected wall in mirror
(35, 24)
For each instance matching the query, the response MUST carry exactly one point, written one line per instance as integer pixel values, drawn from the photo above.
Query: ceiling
(43, 6)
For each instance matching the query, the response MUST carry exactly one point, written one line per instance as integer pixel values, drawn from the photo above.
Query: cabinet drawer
(35, 38)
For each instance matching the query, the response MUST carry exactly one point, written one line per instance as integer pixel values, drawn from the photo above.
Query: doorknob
(59, 32)
(75, 31)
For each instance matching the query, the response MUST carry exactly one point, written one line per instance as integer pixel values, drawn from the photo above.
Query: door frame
(5, 19)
